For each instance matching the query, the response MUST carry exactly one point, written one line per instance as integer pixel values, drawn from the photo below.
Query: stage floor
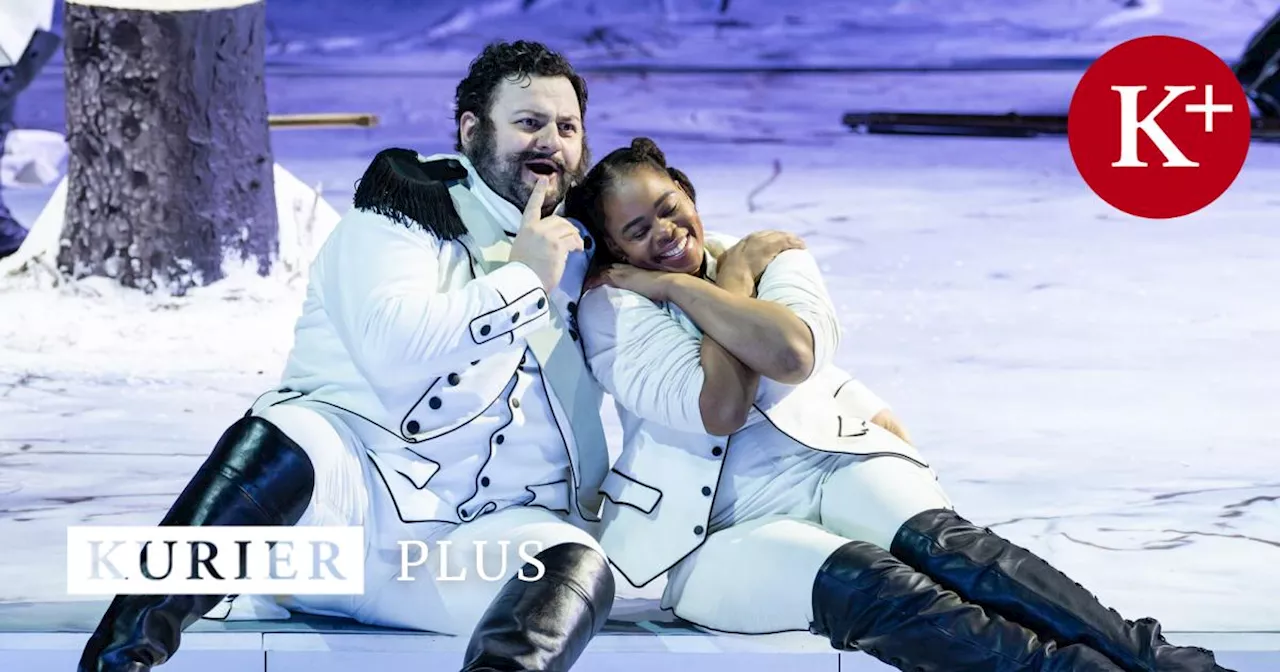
(50, 637)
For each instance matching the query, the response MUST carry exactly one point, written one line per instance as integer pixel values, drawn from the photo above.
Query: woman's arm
(768, 337)
(730, 387)
(789, 331)
(657, 369)
(728, 391)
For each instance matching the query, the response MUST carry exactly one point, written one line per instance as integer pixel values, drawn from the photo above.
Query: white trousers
(756, 576)
(485, 552)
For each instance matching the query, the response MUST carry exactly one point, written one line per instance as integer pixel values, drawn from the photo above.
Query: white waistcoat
(659, 494)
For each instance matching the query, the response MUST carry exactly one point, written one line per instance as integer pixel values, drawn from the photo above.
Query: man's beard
(503, 174)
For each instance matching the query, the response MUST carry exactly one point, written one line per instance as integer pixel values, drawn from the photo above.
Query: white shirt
(666, 389)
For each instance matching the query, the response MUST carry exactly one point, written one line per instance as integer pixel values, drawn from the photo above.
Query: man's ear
(467, 125)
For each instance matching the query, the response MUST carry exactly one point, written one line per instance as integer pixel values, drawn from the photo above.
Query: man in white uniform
(435, 392)
(26, 45)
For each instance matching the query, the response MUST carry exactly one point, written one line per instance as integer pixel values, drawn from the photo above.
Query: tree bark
(170, 162)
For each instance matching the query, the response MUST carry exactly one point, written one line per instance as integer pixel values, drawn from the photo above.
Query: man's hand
(747, 260)
(889, 421)
(544, 243)
(653, 285)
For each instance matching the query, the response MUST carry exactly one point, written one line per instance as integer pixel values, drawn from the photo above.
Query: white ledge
(690, 652)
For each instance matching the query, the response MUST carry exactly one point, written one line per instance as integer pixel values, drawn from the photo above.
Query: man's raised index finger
(533, 209)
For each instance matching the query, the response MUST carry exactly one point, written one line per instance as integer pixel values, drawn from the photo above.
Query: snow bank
(32, 158)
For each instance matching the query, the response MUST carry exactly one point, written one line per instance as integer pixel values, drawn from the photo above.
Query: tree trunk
(170, 164)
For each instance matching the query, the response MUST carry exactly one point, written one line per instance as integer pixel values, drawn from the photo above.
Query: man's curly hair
(510, 61)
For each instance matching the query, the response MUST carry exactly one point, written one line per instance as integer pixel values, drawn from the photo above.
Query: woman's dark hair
(511, 61)
(584, 201)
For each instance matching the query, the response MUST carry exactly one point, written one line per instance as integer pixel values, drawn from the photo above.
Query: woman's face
(652, 223)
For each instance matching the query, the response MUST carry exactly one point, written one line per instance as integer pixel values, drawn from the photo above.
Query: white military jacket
(659, 494)
(415, 336)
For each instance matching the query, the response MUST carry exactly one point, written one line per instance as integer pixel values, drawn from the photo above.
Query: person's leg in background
(11, 232)
(15, 77)
(1259, 68)
(899, 506)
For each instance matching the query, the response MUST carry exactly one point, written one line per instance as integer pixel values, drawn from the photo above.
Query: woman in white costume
(776, 492)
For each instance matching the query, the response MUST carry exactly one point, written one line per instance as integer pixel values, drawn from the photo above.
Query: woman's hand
(754, 253)
(653, 285)
(890, 422)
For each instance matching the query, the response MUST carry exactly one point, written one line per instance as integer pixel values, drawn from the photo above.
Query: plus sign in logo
(1159, 127)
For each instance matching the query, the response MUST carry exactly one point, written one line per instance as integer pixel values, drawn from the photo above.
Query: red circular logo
(1159, 127)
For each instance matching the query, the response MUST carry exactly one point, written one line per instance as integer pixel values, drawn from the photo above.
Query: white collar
(503, 211)
(711, 263)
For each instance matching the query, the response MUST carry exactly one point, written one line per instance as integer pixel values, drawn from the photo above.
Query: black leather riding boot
(544, 625)
(255, 476)
(989, 570)
(864, 599)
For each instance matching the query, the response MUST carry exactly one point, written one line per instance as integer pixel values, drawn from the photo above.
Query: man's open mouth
(542, 167)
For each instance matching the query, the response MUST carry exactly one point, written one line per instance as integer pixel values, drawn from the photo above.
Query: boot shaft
(865, 599)
(1004, 578)
(256, 475)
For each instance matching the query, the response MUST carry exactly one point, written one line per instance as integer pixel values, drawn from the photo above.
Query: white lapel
(494, 249)
(563, 366)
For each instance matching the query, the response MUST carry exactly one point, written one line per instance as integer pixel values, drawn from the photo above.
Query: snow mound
(32, 158)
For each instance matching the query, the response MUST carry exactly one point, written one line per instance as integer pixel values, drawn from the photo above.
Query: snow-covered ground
(1099, 388)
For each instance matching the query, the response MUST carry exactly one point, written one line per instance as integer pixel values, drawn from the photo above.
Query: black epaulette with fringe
(411, 192)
